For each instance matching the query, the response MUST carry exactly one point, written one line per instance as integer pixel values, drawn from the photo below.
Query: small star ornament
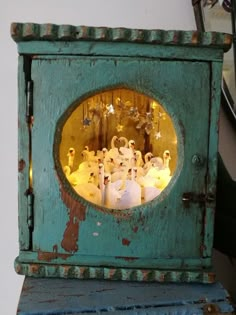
(157, 135)
(119, 128)
(86, 122)
(110, 109)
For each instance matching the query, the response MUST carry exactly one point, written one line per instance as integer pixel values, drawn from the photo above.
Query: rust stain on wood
(145, 274)
(125, 242)
(76, 214)
(49, 256)
(34, 269)
(211, 277)
(21, 165)
(195, 38)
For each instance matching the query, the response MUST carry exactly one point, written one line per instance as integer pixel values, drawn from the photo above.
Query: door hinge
(30, 209)
(202, 199)
(29, 101)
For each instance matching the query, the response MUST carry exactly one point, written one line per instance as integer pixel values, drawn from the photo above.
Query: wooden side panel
(213, 156)
(23, 159)
(214, 125)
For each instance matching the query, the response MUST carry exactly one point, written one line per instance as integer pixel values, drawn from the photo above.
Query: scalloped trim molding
(104, 273)
(52, 32)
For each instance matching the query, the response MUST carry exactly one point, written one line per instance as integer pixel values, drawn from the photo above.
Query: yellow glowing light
(30, 176)
(118, 100)
(119, 127)
(175, 141)
(109, 120)
(154, 105)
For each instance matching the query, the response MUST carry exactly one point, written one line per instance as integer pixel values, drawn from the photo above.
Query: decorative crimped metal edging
(109, 273)
(52, 32)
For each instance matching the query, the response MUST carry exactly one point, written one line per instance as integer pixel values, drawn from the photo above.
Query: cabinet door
(166, 232)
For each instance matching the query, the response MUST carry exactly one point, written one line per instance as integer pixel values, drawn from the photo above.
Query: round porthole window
(118, 149)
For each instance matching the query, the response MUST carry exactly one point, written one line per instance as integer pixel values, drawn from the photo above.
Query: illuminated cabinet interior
(125, 136)
(117, 152)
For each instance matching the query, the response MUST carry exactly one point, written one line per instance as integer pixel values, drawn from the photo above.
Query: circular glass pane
(118, 149)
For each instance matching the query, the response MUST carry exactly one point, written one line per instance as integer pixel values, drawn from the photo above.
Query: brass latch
(191, 197)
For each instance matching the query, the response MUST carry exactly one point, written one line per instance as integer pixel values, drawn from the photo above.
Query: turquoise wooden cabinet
(117, 152)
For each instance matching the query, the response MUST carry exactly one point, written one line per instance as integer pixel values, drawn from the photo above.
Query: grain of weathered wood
(97, 297)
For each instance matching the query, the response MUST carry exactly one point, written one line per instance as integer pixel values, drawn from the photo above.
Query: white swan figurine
(122, 194)
(90, 192)
(124, 141)
(71, 156)
(101, 181)
(147, 162)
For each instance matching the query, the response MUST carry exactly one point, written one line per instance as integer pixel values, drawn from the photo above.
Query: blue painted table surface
(72, 296)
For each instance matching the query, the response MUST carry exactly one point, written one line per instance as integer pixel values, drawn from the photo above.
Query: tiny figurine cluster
(118, 178)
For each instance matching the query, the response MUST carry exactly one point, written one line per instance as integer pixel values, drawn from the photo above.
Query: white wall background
(159, 14)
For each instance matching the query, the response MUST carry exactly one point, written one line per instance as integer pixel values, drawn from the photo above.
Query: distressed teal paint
(169, 239)
(86, 260)
(88, 297)
(22, 32)
(83, 40)
(140, 75)
(109, 273)
(118, 49)
(57, 296)
(212, 157)
(23, 160)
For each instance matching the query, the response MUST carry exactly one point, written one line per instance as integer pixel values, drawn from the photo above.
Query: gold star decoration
(119, 128)
(157, 135)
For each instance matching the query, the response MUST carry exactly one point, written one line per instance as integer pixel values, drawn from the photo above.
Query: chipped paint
(126, 274)
(21, 165)
(54, 32)
(49, 256)
(211, 277)
(76, 214)
(125, 241)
